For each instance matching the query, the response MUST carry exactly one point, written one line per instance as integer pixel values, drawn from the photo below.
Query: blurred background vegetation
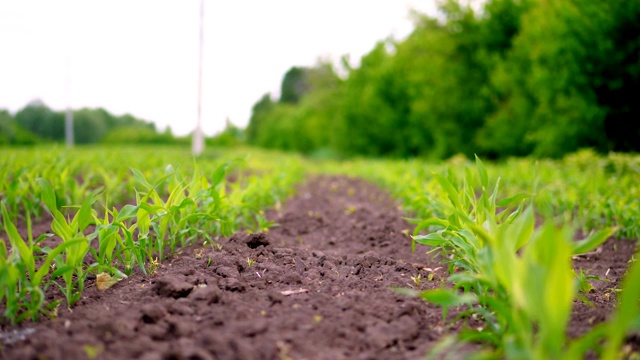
(518, 78)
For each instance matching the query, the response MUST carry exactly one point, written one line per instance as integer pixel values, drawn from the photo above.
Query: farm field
(253, 254)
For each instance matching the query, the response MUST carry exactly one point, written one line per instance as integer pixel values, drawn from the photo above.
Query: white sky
(141, 56)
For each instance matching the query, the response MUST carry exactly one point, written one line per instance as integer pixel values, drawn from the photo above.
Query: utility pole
(68, 119)
(198, 138)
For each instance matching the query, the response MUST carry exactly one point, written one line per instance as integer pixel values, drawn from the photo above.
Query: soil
(317, 286)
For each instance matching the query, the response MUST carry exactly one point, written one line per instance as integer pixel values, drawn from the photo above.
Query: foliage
(525, 301)
(11, 133)
(513, 283)
(230, 136)
(142, 208)
(36, 122)
(305, 126)
(37, 118)
(516, 78)
(294, 85)
(141, 135)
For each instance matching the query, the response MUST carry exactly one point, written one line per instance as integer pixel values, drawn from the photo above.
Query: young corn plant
(22, 285)
(178, 220)
(70, 266)
(516, 279)
(115, 233)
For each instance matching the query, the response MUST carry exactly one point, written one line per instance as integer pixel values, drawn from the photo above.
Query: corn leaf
(17, 242)
(593, 241)
(219, 174)
(448, 298)
(482, 171)
(47, 194)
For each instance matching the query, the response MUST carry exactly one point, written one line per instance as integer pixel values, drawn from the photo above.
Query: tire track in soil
(318, 289)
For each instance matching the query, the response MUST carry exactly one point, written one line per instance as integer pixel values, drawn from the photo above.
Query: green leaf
(51, 256)
(48, 195)
(593, 241)
(430, 222)
(219, 174)
(448, 298)
(450, 189)
(17, 242)
(433, 239)
(139, 177)
(512, 200)
(406, 292)
(62, 270)
(84, 217)
(494, 195)
(522, 228)
(108, 241)
(484, 178)
(127, 212)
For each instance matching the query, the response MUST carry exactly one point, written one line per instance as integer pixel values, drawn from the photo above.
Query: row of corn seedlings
(170, 211)
(515, 278)
(589, 190)
(74, 174)
(511, 276)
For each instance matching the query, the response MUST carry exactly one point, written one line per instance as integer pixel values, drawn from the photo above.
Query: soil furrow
(317, 286)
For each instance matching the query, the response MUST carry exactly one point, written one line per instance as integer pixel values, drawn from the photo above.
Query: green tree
(230, 136)
(89, 126)
(258, 120)
(559, 87)
(519, 77)
(294, 85)
(618, 81)
(39, 119)
(13, 134)
(368, 118)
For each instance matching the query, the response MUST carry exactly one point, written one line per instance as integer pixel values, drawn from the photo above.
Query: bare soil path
(315, 287)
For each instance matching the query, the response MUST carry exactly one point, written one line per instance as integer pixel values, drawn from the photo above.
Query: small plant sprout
(417, 279)
(584, 286)
(250, 261)
(198, 253)
(214, 245)
(153, 265)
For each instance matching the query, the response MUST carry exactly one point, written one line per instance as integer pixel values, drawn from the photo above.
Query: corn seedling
(417, 279)
(250, 261)
(22, 286)
(73, 233)
(516, 278)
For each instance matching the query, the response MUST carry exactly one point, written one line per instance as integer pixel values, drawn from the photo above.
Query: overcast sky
(141, 56)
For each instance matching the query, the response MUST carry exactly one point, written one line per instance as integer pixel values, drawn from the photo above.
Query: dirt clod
(171, 286)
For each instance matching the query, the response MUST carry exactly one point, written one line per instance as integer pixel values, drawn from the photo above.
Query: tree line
(37, 123)
(517, 78)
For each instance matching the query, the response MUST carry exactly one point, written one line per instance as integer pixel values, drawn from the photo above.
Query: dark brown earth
(318, 287)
